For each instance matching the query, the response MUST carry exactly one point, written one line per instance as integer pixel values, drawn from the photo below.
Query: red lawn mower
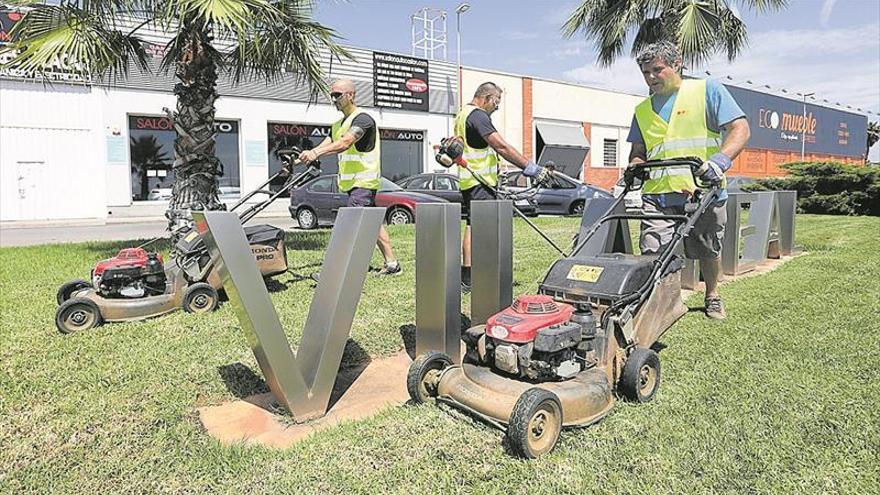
(555, 359)
(138, 284)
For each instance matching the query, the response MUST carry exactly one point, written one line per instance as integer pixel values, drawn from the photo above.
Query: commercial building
(77, 149)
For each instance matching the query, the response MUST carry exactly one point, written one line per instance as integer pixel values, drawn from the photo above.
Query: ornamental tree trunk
(196, 167)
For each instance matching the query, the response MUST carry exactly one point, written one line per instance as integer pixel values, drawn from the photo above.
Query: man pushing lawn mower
(685, 118)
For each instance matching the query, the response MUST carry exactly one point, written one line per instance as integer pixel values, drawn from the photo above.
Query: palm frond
(227, 16)
(77, 39)
(697, 30)
(293, 45)
(763, 6)
(734, 37)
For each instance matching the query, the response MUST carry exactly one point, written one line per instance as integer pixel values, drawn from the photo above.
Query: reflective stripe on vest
(356, 169)
(482, 161)
(686, 134)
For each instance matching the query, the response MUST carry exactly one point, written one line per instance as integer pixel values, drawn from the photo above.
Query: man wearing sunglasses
(355, 139)
(481, 143)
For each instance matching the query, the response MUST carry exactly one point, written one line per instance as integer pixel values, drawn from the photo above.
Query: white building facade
(73, 150)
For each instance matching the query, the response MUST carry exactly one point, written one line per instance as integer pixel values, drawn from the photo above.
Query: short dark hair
(664, 50)
(487, 89)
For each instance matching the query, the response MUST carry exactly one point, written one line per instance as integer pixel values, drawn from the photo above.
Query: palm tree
(701, 28)
(245, 39)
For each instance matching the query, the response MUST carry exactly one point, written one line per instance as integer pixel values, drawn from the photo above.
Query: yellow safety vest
(686, 134)
(482, 161)
(356, 169)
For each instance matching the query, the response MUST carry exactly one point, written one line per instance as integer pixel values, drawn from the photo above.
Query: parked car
(445, 186)
(563, 195)
(159, 194)
(633, 199)
(318, 201)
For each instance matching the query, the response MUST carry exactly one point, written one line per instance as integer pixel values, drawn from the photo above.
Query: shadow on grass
(313, 240)
(243, 382)
(408, 335)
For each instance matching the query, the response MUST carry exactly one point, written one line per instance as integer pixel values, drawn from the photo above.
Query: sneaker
(390, 269)
(715, 309)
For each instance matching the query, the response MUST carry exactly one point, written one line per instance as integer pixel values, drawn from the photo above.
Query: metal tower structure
(429, 33)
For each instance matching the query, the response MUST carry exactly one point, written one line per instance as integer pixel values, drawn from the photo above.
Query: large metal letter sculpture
(735, 235)
(786, 201)
(438, 279)
(492, 271)
(301, 383)
(764, 215)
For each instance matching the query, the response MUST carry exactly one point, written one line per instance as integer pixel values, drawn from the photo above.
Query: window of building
(402, 153)
(609, 153)
(151, 148)
(284, 136)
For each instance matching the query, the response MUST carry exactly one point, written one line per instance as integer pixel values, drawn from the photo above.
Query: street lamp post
(804, 127)
(461, 9)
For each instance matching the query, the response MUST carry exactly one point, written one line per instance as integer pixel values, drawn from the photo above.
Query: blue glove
(532, 169)
(713, 169)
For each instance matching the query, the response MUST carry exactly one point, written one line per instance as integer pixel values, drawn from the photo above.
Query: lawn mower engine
(133, 273)
(538, 339)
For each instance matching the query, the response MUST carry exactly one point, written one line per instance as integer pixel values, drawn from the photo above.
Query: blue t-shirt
(721, 109)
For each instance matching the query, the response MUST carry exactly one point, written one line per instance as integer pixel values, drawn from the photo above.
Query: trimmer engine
(132, 273)
(539, 339)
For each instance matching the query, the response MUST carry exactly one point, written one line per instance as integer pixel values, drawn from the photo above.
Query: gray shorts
(359, 196)
(704, 241)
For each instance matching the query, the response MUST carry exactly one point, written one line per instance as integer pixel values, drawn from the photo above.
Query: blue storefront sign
(782, 124)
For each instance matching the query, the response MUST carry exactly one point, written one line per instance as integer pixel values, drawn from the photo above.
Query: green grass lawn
(782, 397)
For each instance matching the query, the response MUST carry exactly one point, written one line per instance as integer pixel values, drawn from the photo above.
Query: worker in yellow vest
(355, 138)
(683, 118)
(481, 143)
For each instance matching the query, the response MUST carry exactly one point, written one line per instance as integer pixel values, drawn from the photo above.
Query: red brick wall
(765, 163)
(604, 177)
(527, 144)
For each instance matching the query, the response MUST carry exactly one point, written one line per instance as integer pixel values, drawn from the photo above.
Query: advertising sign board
(400, 82)
(778, 123)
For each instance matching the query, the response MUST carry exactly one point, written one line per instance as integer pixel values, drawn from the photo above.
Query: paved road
(32, 236)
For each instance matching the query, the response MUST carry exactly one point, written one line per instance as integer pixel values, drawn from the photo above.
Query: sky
(827, 47)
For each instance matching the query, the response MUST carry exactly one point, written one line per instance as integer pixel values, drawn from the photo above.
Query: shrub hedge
(828, 187)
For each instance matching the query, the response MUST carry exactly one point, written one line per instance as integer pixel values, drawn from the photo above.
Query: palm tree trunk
(196, 166)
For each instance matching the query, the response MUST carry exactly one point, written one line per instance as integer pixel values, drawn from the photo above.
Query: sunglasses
(335, 95)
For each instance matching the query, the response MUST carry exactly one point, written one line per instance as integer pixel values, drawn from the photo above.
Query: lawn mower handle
(691, 162)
